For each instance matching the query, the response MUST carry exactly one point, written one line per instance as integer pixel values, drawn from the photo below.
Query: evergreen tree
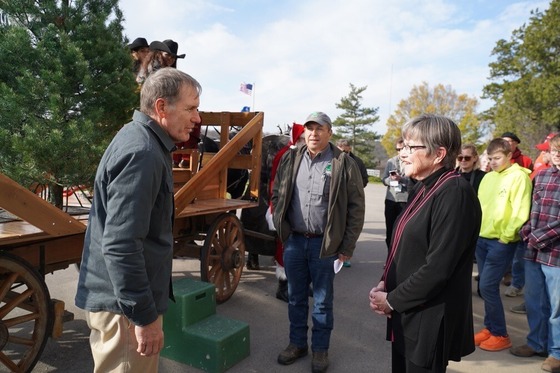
(526, 79)
(354, 122)
(66, 86)
(441, 100)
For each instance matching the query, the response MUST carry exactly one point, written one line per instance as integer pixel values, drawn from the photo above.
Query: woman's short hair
(470, 147)
(499, 145)
(435, 131)
(165, 83)
(474, 153)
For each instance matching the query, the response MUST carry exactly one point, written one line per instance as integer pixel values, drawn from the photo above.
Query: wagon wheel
(223, 255)
(25, 314)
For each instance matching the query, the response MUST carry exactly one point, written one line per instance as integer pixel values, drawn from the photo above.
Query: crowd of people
(506, 205)
(518, 235)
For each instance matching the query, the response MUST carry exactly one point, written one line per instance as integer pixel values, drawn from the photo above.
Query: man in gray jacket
(125, 274)
(318, 204)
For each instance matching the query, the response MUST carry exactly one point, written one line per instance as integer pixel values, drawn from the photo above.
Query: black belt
(309, 234)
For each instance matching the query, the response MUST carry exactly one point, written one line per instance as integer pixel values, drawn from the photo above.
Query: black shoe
(282, 291)
(320, 361)
(291, 354)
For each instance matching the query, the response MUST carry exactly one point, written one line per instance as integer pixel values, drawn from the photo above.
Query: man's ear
(160, 107)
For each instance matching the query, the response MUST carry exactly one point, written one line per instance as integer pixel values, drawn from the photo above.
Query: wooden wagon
(45, 239)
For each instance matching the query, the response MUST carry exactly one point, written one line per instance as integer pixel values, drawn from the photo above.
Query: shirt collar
(163, 137)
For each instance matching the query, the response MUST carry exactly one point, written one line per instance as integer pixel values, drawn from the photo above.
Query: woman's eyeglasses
(465, 158)
(412, 148)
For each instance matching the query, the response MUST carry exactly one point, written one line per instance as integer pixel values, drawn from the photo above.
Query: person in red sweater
(517, 156)
(296, 138)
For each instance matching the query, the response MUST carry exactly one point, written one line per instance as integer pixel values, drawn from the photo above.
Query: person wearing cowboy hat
(169, 49)
(159, 57)
(139, 49)
(173, 48)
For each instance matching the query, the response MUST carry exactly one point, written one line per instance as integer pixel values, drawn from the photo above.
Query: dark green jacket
(346, 203)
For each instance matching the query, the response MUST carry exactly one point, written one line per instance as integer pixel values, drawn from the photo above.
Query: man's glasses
(398, 149)
(465, 158)
(412, 148)
(554, 151)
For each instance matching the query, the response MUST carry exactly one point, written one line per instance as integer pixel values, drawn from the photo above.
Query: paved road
(357, 343)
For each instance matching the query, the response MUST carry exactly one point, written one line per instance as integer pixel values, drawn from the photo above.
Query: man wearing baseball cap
(318, 212)
(543, 160)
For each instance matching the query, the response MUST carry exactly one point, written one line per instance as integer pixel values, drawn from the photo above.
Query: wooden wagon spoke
(214, 257)
(233, 236)
(227, 279)
(9, 363)
(9, 323)
(219, 280)
(25, 314)
(224, 251)
(14, 302)
(7, 284)
(21, 341)
(216, 244)
(238, 242)
(213, 270)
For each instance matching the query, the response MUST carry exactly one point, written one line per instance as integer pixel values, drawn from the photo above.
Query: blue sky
(302, 55)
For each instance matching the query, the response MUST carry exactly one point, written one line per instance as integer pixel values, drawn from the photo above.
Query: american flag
(246, 88)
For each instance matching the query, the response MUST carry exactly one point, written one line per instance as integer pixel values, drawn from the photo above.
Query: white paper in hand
(337, 265)
(268, 217)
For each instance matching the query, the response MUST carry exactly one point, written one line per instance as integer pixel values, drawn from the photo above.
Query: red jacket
(521, 159)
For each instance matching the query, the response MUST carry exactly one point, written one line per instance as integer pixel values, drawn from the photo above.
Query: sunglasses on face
(465, 158)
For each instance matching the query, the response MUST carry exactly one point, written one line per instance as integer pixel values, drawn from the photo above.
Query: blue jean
(542, 301)
(517, 271)
(303, 267)
(493, 259)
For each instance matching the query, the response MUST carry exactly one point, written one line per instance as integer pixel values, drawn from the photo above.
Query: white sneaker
(512, 291)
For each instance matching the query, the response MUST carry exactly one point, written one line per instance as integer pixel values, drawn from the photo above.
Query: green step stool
(196, 336)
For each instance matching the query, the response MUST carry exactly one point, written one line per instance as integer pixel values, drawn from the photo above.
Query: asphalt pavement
(357, 342)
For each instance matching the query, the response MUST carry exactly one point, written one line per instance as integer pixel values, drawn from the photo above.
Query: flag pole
(254, 94)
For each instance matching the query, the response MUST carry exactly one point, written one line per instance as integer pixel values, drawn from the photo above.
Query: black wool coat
(429, 278)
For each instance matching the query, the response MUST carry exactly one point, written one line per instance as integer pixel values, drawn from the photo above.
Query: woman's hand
(378, 300)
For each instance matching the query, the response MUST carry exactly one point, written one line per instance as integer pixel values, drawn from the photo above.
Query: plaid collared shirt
(542, 231)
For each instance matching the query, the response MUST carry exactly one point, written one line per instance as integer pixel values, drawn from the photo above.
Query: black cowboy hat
(173, 47)
(159, 46)
(137, 44)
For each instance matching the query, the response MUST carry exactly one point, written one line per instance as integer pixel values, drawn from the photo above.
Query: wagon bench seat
(209, 206)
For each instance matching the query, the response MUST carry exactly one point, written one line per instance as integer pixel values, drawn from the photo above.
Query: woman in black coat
(425, 290)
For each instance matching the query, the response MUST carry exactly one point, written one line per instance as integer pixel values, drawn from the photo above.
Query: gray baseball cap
(320, 118)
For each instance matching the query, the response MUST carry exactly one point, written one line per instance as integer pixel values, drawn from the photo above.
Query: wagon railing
(214, 167)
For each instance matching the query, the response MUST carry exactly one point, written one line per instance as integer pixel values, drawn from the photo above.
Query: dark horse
(254, 218)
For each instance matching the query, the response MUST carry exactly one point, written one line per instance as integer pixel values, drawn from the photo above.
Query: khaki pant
(113, 345)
